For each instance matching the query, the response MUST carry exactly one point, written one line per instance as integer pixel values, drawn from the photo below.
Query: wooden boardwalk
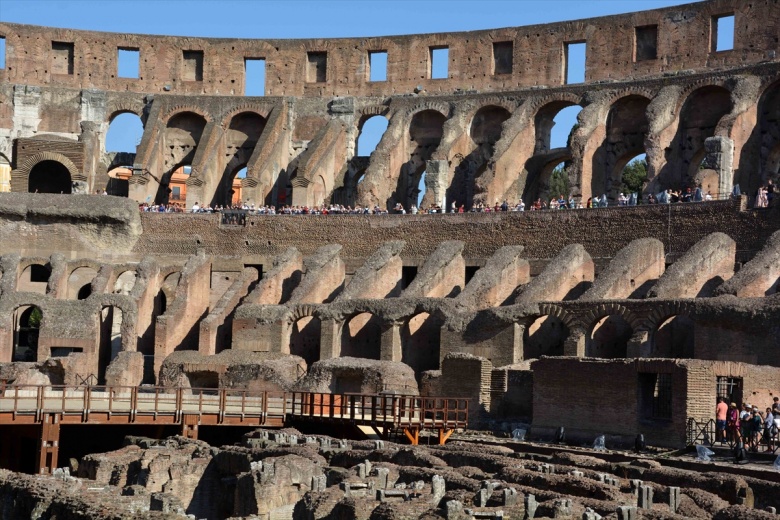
(52, 406)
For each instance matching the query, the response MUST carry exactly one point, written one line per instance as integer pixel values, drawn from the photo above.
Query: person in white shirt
(196, 207)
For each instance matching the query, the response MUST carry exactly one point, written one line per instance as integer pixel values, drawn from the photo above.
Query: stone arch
(545, 336)
(27, 321)
(361, 336)
(609, 327)
(627, 127)
(442, 108)
(124, 107)
(183, 109)
(125, 282)
(305, 337)
(262, 110)
(20, 177)
(33, 276)
(80, 282)
(421, 341)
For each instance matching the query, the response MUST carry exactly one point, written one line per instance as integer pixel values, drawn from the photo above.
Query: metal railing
(173, 403)
(702, 431)
(402, 411)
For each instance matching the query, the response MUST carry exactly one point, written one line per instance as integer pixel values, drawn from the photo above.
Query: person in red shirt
(721, 412)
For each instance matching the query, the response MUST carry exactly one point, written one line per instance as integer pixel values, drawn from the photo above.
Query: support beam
(189, 426)
(413, 434)
(50, 444)
(444, 434)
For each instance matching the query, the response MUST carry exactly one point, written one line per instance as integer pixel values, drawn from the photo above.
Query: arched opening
(110, 339)
(633, 177)
(674, 338)
(421, 342)
(627, 127)
(34, 278)
(421, 190)
(125, 282)
(181, 137)
(305, 339)
(241, 137)
(549, 182)
(361, 336)
(80, 283)
(49, 177)
(544, 337)
(699, 116)
(485, 131)
(124, 133)
(425, 133)
(370, 133)
(609, 338)
(27, 323)
(555, 123)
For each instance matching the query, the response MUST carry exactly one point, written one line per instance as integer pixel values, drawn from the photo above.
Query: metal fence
(702, 431)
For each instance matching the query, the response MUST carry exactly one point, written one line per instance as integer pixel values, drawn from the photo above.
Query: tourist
(770, 430)
(756, 426)
(721, 412)
(196, 207)
(776, 406)
(770, 192)
(762, 198)
(732, 423)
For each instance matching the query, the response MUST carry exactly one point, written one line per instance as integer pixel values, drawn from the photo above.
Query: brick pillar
(391, 342)
(330, 339)
(575, 343)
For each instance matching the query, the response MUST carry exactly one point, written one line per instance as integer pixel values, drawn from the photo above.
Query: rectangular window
(192, 66)
(646, 43)
(730, 388)
(502, 57)
(254, 77)
(316, 67)
(440, 61)
(574, 62)
(61, 58)
(655, 396)
(377, 63)
(2, 52)
(176, 193)
(723, 33)
(127, 62)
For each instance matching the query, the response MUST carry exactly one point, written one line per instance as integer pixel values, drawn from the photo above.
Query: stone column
(575, 343)
(390, 346)
(719, 156)
(437, 177)
(330, 339)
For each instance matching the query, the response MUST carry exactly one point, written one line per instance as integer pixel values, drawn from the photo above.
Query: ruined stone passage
(614, 326)
(655, 83)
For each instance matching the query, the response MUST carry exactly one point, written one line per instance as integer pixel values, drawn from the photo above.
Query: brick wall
(603, 232)
(536, 55)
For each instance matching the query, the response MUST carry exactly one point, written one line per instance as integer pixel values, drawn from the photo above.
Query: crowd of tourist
(765, 194)
(748, 424)
(555, 203)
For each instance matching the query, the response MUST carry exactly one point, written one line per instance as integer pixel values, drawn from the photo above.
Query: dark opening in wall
(127, 62)
(722, 33)
(471, 270)
(502, 57)
(377, 63)
(655, 396)
(408, 274)
(254, 76)
(440, 58)
(316, 67)
(574, 62)
(39, 273)
(192, 66)
(646, 43)
(2, 52)
(64, 351)
(61, 58)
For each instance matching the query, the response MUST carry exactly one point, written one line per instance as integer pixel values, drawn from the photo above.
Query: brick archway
(20, 177)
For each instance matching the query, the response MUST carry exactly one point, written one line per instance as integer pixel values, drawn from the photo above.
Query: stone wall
(494, 60)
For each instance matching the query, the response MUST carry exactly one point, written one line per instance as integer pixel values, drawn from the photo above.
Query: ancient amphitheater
(463, 364)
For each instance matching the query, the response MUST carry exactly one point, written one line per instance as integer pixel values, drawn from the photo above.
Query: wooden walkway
(52, 406)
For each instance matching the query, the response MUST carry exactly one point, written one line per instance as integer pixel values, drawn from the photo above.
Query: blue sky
(311, 19)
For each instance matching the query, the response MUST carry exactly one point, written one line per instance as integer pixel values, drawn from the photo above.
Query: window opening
(440, 58)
